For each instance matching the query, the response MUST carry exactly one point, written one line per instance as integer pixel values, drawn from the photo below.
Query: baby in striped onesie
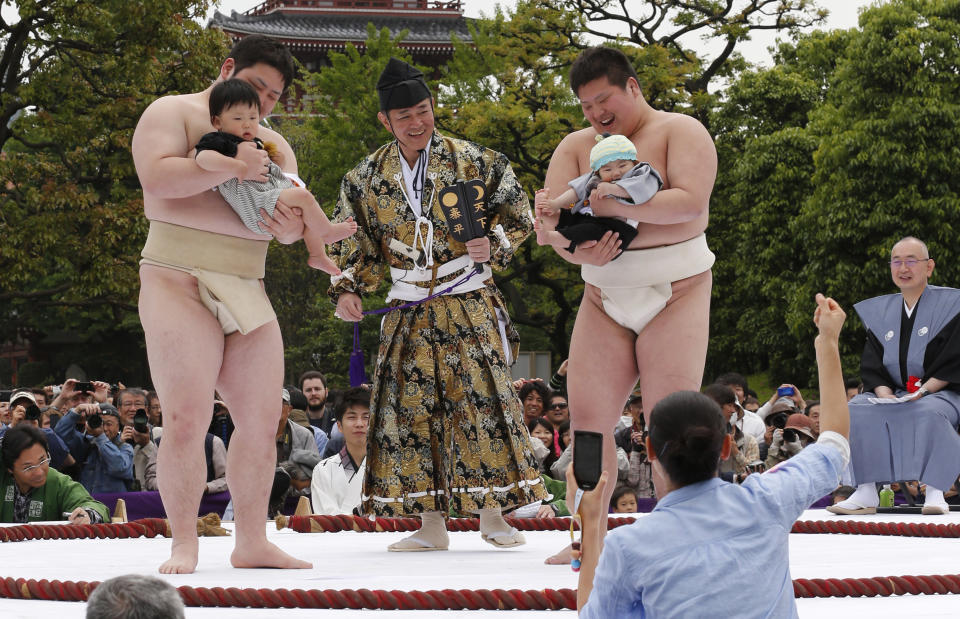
(235, 114)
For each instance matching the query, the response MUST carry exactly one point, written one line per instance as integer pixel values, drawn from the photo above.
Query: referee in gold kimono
(446, 429)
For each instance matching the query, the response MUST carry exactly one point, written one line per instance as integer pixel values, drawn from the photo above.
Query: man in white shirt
(337, 481)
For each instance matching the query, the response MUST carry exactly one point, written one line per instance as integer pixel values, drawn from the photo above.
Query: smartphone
(587, 458)
(84, 387)
(784, 391)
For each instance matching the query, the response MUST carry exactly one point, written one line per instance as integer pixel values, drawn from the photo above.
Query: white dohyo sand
(359, 561)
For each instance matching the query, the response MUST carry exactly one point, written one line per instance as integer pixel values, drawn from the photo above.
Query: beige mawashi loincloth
(228, 271)
(636, 287)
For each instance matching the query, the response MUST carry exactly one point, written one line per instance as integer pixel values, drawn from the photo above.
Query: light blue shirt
(692, 555)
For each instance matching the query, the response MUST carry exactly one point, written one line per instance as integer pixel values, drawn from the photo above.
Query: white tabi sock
(865, 496)
(431, 536)
(495, 530)
(934, 497)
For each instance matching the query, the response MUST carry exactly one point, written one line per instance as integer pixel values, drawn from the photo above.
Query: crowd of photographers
(101, 438)
(63, 443)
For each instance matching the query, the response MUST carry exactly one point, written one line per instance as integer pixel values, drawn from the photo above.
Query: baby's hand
(604, 189)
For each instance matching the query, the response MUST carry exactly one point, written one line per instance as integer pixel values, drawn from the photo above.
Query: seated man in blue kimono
(904, 424)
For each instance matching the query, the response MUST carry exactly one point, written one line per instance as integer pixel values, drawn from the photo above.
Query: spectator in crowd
(631, 440)
(33, 491)
(744, 456)
(633, 408)
(795, 399)
(69, 397)
(682, 558)
(221, 425)
(751, 403)
(541, 448)
(534, 395)
(215, 457)
(320, 407)
(558, 412)
(128, 402)
(297, 451)
(913, 491)
(298, 413)
(144, 456)
(624, 437)
(541, 429)
(106, 461)
(135, 596)
(904, 424)
(338, 480)
(623, 501)
(788, 442)
(23, 410)
(737, 382)
(553, 506)
(813, 412)
(746, 421)
(215, 453)
(40, 396)
(558, 382)
(5, 411)
(46, 421)
(154, 410)
(853, 386)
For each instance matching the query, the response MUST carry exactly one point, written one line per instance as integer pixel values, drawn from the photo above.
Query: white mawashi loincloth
(228, 271)
(636, 287)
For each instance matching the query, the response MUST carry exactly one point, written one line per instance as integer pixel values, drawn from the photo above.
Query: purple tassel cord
(358, 372)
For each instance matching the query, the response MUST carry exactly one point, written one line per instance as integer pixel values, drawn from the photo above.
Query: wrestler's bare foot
(265, 554)
(183, 558)
(561, 558)
(323, 262)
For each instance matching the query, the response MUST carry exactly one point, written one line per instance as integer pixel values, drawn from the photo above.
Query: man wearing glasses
(558, 412)
(904, 424)
(32, 491)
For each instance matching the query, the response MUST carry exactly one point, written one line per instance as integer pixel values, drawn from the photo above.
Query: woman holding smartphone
(705, 533)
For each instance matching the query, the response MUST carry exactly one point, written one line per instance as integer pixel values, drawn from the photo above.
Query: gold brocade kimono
(446, 425)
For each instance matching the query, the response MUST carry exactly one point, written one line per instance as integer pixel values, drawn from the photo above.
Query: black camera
(94, 421)
(84, 387)
(140, 421)
(33, 413)
(778, 420)
(789, 436)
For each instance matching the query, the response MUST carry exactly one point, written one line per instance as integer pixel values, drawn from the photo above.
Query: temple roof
(427, 28)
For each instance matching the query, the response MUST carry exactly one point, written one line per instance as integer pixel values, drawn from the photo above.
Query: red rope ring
(859, 527)
(147, 527)
(456, 599)
(334, 524)
(451, 599)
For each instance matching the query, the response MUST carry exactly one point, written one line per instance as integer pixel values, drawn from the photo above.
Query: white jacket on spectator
(336, 485)
(751, 424)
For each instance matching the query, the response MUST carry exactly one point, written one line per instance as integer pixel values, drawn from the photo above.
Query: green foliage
(672, 24)
(77, 77)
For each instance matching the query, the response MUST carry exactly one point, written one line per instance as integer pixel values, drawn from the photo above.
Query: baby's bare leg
(318, 230)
